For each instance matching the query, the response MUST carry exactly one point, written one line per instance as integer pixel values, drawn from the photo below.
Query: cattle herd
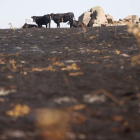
(93, 18)
(46, 19)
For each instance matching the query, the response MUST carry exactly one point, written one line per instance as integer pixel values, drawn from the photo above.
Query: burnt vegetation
(69, 84)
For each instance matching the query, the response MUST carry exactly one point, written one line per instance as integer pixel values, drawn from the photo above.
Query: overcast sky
(18, 11)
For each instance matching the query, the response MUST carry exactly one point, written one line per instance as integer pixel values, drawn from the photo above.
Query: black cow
(42, 20)
(75, 23)
(29, 26)
(58, 18)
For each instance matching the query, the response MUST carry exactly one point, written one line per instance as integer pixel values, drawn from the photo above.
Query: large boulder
(84, 19)
(121, 22)
(132, 18)
(97, 17)
(109, 19)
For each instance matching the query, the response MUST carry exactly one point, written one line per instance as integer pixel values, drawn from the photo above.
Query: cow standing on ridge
(29, 26)
(42, 20)
(58, 18)
(75, 23)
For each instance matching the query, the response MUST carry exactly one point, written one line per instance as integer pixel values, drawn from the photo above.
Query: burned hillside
(85, 80)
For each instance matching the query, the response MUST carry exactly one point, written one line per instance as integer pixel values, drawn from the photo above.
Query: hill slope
(85, 71)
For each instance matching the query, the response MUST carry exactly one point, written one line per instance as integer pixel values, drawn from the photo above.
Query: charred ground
(64, 69)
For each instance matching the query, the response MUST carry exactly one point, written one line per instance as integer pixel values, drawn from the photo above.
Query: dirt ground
(82, 78)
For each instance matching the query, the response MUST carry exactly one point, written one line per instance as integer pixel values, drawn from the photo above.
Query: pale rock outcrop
(96, 25)
(109, 19)
(97, 17)
(132, 18)
(121, 23)
(84, 19)
(122, 20)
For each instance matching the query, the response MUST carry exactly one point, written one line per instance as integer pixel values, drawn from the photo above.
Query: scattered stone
(125, 55)
(23, 62)
(4, 92)
(82, 136)
(15, 134)
(42, 37)
(55, 52)
(122, 67)
(96, 25)
(90, 98)
(71, 136)
(72, 61)
(65, 100)
(56, 37)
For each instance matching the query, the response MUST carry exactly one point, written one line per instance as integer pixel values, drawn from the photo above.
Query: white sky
(17, 11)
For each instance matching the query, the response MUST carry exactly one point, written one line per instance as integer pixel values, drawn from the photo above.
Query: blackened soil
(33, 72)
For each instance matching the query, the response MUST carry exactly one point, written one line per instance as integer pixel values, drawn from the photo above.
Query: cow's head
(25, 25)
(34, 18)
(52, 16)
(47, 15)
(75, 23)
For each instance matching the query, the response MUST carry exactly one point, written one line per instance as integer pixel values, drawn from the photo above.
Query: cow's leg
(46, 25)
(58, 25)
(39, 26)
(71, 23)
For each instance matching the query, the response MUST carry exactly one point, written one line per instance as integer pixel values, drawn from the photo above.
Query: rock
(90, 98)
(121, 22)
(138, 23)
(84, 19)
(98, 16)
(97, 25)
(82, 136)
(132, 18)
(121, 19)
(56, 37)
(103, 25)
(71, 136)
(109, 19)
(65, 100)
(15, 134)
(125, 55)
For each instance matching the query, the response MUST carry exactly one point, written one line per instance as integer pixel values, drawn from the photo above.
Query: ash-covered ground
(87, 73)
